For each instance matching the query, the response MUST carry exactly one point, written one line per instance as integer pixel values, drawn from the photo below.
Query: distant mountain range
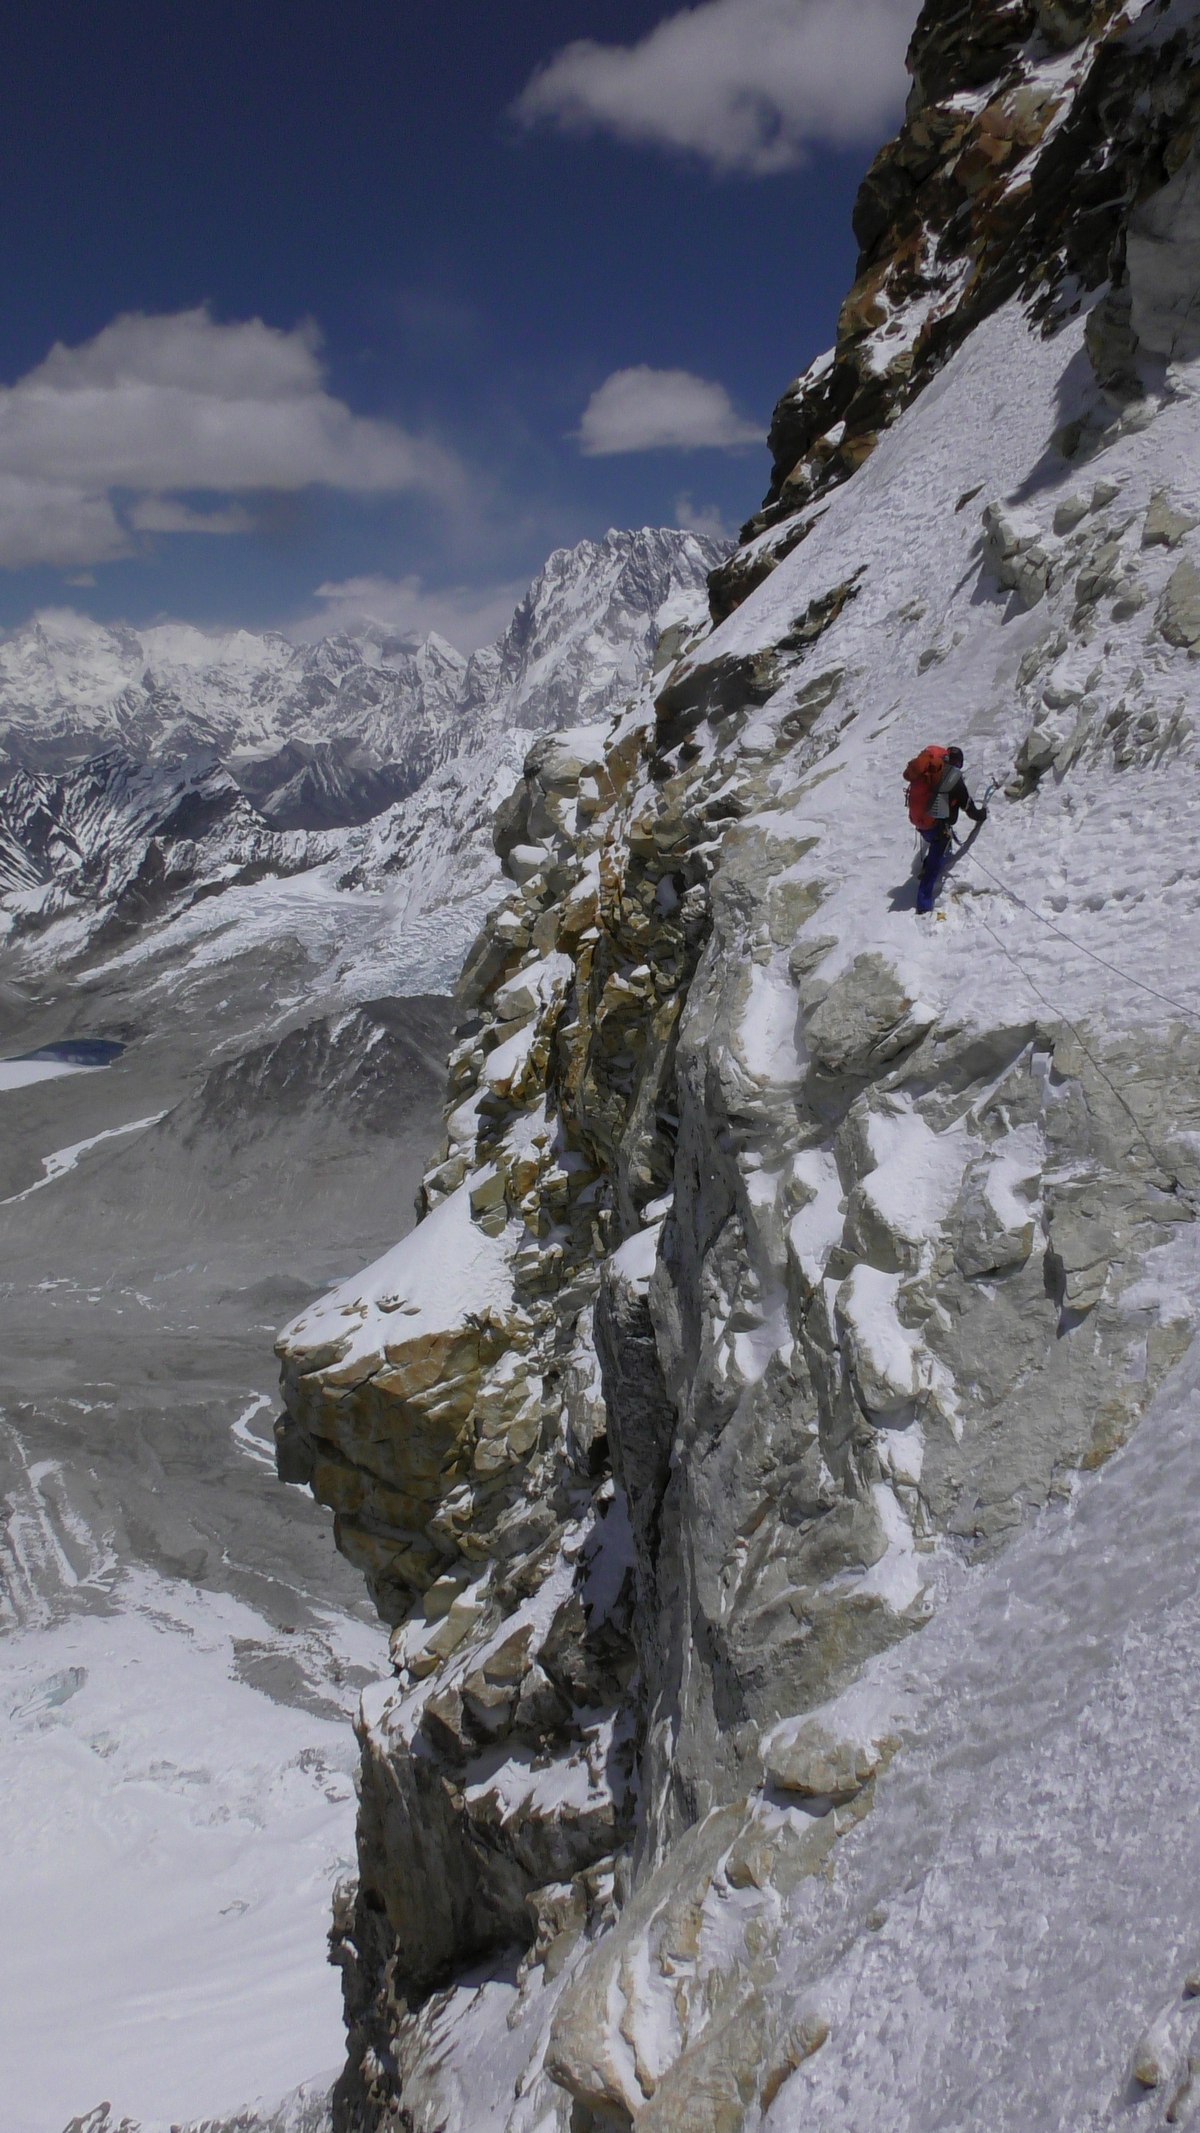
(329, 734)
(149, 772)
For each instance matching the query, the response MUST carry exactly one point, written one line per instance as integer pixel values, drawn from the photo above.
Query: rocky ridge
(1033, 131)
(779, 1262)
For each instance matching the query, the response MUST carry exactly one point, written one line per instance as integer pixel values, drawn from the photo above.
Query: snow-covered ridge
(1032, 131)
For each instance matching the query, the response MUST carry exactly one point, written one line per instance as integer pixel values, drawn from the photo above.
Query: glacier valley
(181, 1646)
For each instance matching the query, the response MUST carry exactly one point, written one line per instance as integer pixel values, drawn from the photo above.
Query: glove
(982, 815)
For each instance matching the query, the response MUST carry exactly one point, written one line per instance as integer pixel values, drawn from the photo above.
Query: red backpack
(922, 777)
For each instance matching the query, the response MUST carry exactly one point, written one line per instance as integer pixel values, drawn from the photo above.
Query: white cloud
(746, 84)
(644, 410)
(51, 522)
(155, 405)
(702, 518)
(467, 616)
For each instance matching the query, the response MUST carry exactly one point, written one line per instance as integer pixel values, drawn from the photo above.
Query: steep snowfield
(933, 646)
(1021, 1907)
(937, 1135)
(1022, 1901)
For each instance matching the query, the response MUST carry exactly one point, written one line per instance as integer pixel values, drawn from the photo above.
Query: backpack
(923, 776)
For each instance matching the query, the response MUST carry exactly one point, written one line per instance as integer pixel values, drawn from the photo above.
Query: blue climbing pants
(937, 844)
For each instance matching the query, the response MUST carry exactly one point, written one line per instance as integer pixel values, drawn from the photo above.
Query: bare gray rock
(1179, 607)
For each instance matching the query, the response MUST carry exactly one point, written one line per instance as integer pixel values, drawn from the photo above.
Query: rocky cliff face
(786, 1256)
(1033, 131)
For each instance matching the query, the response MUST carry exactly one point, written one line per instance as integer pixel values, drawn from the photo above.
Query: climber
(937, 790)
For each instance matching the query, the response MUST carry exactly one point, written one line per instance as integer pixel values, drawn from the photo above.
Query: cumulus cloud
(154, 406)
(645, 410)
(702, 518)
(748, 85)
(49, 522)
(467, 616)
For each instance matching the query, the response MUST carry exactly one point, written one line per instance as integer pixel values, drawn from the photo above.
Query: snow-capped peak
(71, 687)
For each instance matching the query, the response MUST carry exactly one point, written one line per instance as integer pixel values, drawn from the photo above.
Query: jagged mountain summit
(1033, 130)
(393, 762)
(772, 1448)
(329, 734)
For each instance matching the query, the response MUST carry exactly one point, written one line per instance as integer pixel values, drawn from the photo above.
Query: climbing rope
(1191, 1013)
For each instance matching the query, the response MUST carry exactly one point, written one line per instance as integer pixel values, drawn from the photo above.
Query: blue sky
(507, 295)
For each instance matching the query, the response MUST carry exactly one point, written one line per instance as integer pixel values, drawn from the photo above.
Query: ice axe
(963, 844)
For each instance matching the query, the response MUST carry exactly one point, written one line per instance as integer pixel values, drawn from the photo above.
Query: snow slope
(1020, 1910)
(1103, 848)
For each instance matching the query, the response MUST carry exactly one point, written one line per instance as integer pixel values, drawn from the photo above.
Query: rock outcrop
(1034, 132)
(782, 1259)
